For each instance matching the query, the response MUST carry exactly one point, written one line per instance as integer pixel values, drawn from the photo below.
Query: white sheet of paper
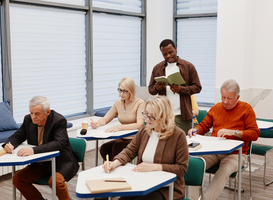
(123, 171)
(201, 139)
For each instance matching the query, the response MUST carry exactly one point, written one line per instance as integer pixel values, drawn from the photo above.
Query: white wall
(245, 51)
(159, 27)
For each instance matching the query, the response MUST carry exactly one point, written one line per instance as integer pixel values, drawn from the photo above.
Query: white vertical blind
(196, 6)
(1, 77)
(48, 58)
(196, 42)
(1, 86)
(123, 5)
(117, 44)
(73, 2)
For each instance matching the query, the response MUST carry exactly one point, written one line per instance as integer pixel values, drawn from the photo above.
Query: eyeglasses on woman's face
(146, 116)
(122, 91)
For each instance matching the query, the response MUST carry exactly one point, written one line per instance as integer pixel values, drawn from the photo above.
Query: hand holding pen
(93, 124)
(192, 132)
(109, 166)
(9, 148)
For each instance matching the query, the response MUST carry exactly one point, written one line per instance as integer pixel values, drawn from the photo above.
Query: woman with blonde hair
(159, 146)
(128, 109)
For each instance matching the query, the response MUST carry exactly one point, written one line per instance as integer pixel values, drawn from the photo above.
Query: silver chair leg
(250, 183)
(268, 183)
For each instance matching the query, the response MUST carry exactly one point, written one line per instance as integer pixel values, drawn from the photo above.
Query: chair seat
(260, 149)
(43, 181)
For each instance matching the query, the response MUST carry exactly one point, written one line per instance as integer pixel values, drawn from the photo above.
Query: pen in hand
(94, 121)
(107, 162)
(193, 133)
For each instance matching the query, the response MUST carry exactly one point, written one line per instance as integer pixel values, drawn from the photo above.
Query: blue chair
(262, 150)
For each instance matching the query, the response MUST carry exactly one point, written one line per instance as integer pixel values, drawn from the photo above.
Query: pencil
(93, 121)
(107, 162)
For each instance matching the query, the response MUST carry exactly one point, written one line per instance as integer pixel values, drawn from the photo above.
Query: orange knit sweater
(241, 117)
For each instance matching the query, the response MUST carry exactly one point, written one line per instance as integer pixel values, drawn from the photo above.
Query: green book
(172, 79)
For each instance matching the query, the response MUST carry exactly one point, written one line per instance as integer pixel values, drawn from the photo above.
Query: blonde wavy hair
(130, 86)
(164, 115)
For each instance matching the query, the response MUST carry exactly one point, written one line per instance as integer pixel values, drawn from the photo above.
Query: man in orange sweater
(232, 119)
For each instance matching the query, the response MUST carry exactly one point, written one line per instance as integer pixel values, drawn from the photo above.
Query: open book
(172, 79)
(107, 185)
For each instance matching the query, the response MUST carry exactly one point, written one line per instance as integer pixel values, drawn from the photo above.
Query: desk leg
(171, 191)
(97, 146)
(53, 170)
(13, 188)
(240, 173)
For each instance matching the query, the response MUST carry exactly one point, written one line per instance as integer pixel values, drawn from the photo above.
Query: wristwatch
(237, 132)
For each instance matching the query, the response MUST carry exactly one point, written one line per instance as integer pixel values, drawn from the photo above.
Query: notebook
(107, 185)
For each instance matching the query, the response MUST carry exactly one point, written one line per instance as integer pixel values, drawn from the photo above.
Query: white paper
(207, 139)
(123, 171)
(100, 132)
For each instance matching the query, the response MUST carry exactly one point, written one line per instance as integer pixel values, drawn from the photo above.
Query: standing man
(179, 95)
(231, 119)
(46, 129)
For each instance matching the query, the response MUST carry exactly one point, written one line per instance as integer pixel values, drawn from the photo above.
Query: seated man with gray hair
(46, 129)
(231, 119)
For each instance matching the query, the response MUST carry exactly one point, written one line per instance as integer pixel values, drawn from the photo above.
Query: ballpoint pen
(194, 131)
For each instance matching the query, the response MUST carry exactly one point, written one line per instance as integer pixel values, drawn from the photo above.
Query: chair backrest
(268, 133)
(195, 172)
(201, 116)
(79, 146)
(249, 148)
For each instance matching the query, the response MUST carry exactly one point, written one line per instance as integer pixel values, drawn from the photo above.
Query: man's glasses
(122, 91)
(147, 116)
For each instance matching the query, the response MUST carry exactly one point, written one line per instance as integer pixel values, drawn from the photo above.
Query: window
(196, 7)
(48, 52)
(117, 41)
(122, 5)
(73, 2)
(196, 42)
(48, 58)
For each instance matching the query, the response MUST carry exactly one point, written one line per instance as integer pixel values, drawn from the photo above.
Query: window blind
(48, 58)
(1, 78)
(73, 2)
(196, 42)
(196, 6)
(122, 5)
(116, 48)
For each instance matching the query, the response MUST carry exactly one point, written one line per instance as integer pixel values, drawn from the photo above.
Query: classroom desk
(214, 145)
(264, 125)
(13, 160)
(142, 183)
(98, 134)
